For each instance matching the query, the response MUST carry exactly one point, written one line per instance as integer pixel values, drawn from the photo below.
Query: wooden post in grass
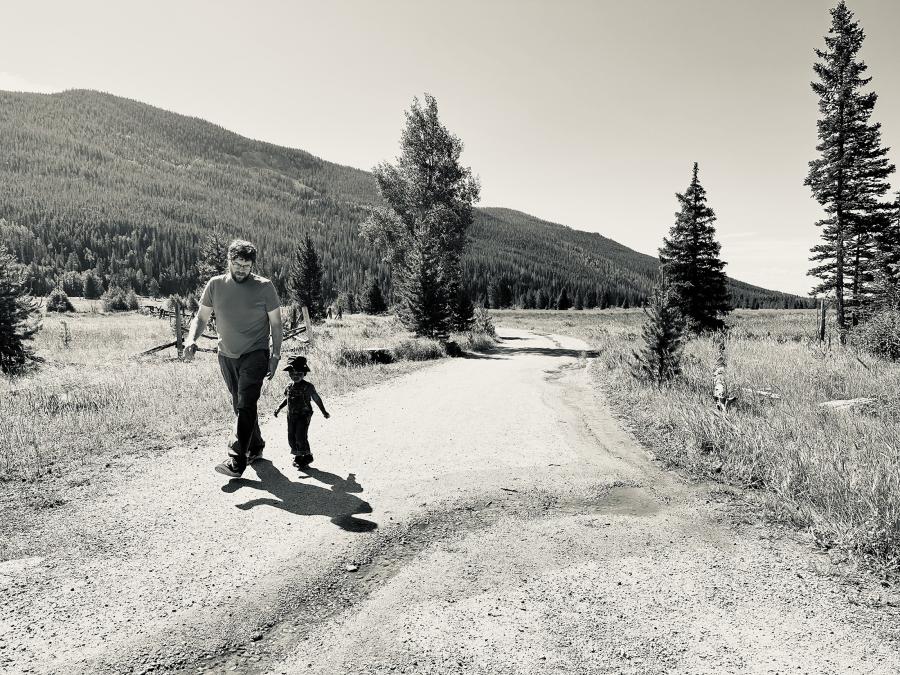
(179, 341)
(309, 333)
(821, 317)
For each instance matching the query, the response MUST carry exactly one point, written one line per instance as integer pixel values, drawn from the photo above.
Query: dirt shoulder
(485, 515)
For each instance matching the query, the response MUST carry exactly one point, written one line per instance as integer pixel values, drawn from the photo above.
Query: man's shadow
(308, 500)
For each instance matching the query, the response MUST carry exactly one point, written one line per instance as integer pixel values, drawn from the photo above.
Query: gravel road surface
(481, 515)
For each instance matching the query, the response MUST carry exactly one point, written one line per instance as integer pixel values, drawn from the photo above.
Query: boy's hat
(297, 363)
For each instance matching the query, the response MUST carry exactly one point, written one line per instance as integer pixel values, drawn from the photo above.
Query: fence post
(822, 312)
(309, 333)
(179, 343)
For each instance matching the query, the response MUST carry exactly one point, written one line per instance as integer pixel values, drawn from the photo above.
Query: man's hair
(242, 249)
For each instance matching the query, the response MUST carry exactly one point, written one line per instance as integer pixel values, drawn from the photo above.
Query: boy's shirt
(299, 397)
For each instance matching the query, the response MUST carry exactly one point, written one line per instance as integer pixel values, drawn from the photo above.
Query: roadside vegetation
(834, 471)
(92, 404)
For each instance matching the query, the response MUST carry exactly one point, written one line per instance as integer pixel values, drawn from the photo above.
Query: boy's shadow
(308, 500)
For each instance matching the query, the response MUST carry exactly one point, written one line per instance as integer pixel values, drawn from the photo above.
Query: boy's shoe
(301, 461)
(229, 468)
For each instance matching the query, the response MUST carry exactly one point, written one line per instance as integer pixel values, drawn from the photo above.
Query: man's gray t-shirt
(242, 312)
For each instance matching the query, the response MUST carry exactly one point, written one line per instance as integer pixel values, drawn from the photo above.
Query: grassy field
(836, 472)
(91, 403)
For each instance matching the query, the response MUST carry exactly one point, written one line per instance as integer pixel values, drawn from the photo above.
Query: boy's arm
(278, 409)
(314, 395)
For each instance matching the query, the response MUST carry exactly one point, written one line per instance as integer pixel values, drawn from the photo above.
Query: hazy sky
(588, 114)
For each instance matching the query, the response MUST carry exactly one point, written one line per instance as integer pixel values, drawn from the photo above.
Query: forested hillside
(96, 182)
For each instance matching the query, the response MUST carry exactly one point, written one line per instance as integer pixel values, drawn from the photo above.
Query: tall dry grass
(91, 403)
(836, 472)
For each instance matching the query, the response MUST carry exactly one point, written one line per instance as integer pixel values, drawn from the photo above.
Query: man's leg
(252, 369)
(229, 370)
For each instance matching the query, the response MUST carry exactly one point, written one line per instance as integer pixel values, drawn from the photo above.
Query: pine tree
(886, 285)
(92, 287)
(213, 258)
(306, 279)
(563, 301)
(153, 288)
(463, 310)
(375, 303)
(58, 301)
(19, 318)
(430, 199)
(690, 261)
(424, 305)
(660, 358)
(578, 302)
(850, 176)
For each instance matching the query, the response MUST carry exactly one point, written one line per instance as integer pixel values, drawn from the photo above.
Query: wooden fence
(181, 326)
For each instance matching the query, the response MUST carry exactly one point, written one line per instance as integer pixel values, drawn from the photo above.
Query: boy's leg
(303, 428)
(292, 434)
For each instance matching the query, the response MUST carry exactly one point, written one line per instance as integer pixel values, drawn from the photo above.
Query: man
(247, 310)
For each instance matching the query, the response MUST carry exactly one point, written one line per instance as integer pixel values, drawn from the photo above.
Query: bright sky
(588, 114)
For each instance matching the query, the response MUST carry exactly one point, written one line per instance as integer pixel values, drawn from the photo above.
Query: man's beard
(240, 281)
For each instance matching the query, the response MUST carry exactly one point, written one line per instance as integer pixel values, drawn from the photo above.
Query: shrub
(483, 323)
(58, 301)
(480, 342)
(880, 334)
(422, 349)
(118, 299)
(347, 355)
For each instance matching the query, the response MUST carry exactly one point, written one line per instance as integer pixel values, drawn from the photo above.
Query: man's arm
(275, 326)
(198, 325)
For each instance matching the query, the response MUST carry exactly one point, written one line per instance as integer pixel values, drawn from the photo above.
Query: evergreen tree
(463, 310)
(850, 176)
(306, 279)
(578, 303)
(690, 261)
(430, 199)
(92, 287)
(563, 301)
(424, 305)
(375, 303)
(19, 318)
(153, 288)
(58, 301)
(887, 263)
(213, 258)
(660, 358)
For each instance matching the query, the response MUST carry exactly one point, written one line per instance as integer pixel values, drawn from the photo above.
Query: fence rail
(180, 328)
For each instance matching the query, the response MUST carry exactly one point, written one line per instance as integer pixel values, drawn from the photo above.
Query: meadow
(91, 403)
(835, 472)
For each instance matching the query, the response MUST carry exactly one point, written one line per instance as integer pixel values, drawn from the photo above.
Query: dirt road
(482, 515)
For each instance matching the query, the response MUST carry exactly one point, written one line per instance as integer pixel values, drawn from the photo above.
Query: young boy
(298, 397)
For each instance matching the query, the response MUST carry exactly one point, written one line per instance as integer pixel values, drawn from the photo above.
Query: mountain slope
(95, 181)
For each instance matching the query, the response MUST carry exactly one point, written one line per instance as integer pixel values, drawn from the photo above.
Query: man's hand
(273, 366)
(187, 355)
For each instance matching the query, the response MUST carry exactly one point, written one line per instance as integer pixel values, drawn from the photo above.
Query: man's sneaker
(229, 468)
(301, 461)
(254, 455)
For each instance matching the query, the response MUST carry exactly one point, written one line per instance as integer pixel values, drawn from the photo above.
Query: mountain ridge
(101, 182)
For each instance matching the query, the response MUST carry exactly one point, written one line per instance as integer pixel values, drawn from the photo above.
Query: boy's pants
(298, 428)
(244, 377)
